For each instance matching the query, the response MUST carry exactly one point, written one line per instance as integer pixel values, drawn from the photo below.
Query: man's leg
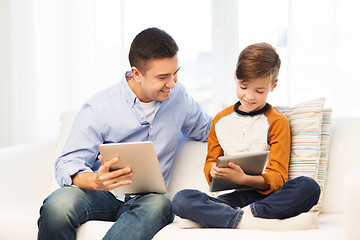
(296, 196)
(141, 217)
(69, 207)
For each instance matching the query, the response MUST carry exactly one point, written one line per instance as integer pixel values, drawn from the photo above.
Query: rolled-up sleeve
(81, 148)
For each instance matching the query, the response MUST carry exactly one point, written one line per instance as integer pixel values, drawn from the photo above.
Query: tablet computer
(141, 158)
(253, 163)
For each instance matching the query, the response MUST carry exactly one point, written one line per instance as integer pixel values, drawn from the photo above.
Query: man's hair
(151, 43)
(256, 61)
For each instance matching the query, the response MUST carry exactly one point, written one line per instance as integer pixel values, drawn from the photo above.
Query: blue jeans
(67, 208)
(296, 196)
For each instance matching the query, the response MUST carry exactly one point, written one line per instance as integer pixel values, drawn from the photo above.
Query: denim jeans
(67, 208)
(296, 196)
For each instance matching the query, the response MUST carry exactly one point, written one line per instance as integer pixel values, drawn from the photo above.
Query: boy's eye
(260, 92)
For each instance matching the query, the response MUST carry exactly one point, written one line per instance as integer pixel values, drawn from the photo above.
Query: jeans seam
(237, 219)
(96, 211)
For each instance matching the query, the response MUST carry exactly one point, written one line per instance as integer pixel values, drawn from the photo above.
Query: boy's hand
(233, 173)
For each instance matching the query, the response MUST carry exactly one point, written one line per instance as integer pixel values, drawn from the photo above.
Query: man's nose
(171, 83)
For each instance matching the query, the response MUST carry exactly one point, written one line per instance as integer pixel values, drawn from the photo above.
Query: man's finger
(105, 167)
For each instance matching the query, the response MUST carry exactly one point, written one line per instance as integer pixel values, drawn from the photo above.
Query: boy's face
(253, 94)
(158, 81)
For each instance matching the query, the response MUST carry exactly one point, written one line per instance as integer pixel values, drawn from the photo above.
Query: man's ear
(274, 85)
(137, 75)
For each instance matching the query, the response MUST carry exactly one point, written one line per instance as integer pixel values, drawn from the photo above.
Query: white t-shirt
(149, 110)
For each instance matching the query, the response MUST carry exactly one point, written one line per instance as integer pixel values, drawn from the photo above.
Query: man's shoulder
(105, 96)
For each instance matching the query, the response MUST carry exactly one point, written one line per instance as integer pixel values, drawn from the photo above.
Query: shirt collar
(126, 90)
(260, 111)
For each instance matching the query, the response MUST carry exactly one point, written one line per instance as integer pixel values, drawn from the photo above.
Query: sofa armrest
(352, 207)
(26, 172)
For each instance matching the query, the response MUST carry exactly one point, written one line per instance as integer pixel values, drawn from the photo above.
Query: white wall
(55, 54)
(5, 86)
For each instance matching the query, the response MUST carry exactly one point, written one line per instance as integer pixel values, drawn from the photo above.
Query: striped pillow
(310, 135)
(305, 125)
(324, 146)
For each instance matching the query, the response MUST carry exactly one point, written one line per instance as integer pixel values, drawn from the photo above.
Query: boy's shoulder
(224, 112)
(276, 115)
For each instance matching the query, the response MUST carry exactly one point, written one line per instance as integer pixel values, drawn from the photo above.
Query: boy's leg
(205, 210)
(141, 217)
(296, 196)
(69, 207)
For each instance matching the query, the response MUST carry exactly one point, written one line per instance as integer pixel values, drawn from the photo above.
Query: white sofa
(27, 178)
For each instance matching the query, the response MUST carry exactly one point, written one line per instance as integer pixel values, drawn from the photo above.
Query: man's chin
(164, 98)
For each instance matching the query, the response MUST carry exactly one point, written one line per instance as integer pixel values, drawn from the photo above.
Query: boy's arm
(280, 145)
(214, 151)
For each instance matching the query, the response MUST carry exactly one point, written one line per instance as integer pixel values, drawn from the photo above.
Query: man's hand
(109, 180)
(104, 179)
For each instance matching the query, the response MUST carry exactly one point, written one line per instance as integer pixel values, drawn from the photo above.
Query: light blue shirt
(114, 115)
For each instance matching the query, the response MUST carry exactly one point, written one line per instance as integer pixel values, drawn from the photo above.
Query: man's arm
(103, 179)
(197, 123)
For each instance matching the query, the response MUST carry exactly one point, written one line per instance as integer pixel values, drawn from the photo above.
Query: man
(147, 105)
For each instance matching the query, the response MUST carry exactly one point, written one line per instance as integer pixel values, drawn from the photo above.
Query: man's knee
(162, 202)
(60, 205)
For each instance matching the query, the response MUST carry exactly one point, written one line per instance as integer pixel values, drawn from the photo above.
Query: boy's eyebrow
(167, 74)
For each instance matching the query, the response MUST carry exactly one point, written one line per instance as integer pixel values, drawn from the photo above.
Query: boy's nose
(250, 96)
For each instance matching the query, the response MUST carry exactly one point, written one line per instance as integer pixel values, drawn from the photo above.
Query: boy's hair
(256, 61)
(151, 43)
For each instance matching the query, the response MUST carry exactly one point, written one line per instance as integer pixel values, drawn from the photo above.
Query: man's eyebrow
(167, 74)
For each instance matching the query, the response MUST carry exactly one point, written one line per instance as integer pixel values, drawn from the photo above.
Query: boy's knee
(180, 199)
(308, 183)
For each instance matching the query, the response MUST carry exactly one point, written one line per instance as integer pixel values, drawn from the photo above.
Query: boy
(147, 105)
(250, 125)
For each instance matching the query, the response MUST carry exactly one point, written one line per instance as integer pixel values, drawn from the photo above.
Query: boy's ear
(274, 85)
(136, 74)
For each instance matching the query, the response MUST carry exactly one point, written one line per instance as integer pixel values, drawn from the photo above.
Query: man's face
(158, 81)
